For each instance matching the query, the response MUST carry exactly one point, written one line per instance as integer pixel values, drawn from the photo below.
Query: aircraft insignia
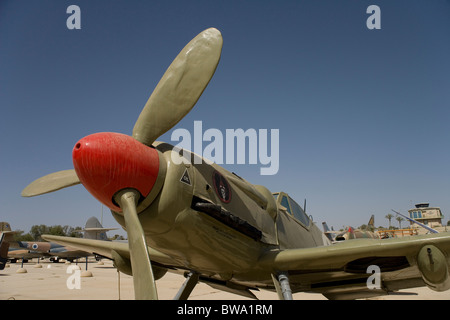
(185, 178)
(222, 187)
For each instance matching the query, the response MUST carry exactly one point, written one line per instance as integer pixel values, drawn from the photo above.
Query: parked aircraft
(43, 249)
(352, 233)
(184, 214)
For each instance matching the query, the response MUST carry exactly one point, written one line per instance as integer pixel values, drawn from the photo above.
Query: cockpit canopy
(292, 207)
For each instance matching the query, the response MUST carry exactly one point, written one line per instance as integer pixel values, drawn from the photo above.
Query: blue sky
(362, 114)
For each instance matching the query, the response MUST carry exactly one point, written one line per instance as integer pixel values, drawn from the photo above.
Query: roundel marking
(221, 187)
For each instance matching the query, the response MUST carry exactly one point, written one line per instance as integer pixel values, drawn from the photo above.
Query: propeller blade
(180, 87)
(143, 279)
(51, 182)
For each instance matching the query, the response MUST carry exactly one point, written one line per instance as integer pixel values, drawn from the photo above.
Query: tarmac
(57, 281)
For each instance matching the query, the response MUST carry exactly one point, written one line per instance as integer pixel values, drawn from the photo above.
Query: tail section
(330, 234)
(6, 235)
(4, 246)
(94, 230)
(5, 226)
(371, 222)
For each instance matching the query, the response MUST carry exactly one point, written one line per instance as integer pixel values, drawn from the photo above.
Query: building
(423, 213)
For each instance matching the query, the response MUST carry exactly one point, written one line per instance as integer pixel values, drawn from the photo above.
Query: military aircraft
(42, 249)
(196, 217)
(24, 250)
(352, 233)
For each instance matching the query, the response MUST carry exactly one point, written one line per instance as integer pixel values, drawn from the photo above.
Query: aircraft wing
(341, 271)
(25, 254)
(417, 222)
(106, 248)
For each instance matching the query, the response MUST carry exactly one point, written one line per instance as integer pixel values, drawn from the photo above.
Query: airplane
(352, 233)
(42, 249)
(196, 218)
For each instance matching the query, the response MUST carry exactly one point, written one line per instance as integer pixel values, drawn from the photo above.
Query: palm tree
(399, 219)
(389, 217)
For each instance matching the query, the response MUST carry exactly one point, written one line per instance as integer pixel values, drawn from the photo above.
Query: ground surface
(52, 282)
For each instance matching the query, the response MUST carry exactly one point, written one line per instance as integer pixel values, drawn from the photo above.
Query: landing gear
(281, 282)
(188, 286)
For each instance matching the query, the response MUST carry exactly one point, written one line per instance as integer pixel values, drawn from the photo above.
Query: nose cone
(109, 162)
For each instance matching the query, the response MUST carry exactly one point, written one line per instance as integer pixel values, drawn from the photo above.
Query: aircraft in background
(43, 249)
(329, 233)
(184, 214)
(92, 230)
(351, 233)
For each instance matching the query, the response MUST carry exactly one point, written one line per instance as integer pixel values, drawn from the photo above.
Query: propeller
(51, 182)
(119, 170)
(180, 87)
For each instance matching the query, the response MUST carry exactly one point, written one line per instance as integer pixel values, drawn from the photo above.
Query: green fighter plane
(196, 218)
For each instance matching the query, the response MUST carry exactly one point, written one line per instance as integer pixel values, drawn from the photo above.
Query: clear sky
(363, 115)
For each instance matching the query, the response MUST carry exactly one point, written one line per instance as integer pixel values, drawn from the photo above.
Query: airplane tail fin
(5, 226)
(94, 230)
(5, 237)
(4, 246)
(328, 233)
(371, 222)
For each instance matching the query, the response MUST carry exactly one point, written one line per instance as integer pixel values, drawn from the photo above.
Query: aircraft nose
(108, 162)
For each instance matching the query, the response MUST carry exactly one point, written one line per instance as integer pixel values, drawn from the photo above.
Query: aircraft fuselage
(201, 207)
